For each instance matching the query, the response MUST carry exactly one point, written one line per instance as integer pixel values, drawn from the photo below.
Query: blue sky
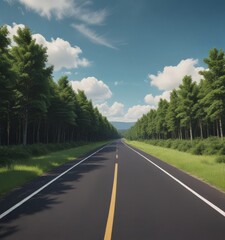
(124, 54)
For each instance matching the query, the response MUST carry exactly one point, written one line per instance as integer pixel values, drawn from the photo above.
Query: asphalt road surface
(117, 193)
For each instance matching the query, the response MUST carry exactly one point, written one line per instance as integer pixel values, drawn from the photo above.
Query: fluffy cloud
(60, 53)
(65, 8)
(136, 112)
(95, 89)
(172, 76)
(113, 113)
(116, 112)
(154, 100)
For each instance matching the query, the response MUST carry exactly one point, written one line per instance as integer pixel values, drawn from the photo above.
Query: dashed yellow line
(109, 225)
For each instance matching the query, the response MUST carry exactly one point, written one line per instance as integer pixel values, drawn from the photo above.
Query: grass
(203, 167)
(25, 170)
(208, 146)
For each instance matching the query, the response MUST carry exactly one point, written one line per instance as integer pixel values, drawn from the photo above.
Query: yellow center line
(109, 225)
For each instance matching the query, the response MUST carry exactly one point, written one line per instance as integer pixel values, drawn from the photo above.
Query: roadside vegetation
(36, 109)
(10, 155)
(202, 166)
(195, 110)
(209, 146)
(188, 130)
(34, 161)
(38, 115)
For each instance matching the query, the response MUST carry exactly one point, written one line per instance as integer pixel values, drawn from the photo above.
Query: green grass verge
(25, 170)
(203, 167)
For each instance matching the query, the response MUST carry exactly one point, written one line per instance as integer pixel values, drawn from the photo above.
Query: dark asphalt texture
(149, 204)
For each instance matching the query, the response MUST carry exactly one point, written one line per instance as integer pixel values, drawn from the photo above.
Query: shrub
(198, 149)
(175, 144)
(209, 146)
(222, 150)
(168, 143)
(185, 146)
(213, 147)
(220, 159)
(11, 154)
(37, 149)
(8, 155)
(17, 152)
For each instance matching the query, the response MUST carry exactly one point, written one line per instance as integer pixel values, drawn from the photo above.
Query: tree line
(34, 108)
(193, 111)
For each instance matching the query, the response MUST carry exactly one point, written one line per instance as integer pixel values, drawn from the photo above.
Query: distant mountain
(122, 125)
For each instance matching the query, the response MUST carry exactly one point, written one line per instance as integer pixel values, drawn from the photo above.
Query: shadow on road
(48, 197)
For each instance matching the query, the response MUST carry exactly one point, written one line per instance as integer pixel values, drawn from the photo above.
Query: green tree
(84, 115)
(7, 82)
(214, 99)
(151, 127)
(29, 62)
(187, 97)
(172, 121)
(62, 111)
(161, 126)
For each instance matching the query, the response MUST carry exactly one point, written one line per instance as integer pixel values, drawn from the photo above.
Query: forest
(194, 111)
(36, 109)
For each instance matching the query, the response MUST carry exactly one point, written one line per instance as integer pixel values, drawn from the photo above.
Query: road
(117, 193)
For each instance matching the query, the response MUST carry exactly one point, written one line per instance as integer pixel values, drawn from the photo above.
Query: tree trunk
(221, 128)
(38, 131)
(8, 129)
(59, 134)
(207, 130)
(217, 129)
(186, 133)
(47, 132)
(25, 126)
(72, 136)
(191, 135)
(33, 135)
(64, 135)
(201, 130)
(0, 135)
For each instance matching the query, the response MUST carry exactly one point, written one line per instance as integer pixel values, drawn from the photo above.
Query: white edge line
(181, 183)
(46, 185)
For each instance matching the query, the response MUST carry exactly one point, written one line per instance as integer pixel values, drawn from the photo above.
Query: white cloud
(65, 8)
(113, 113)
(136, 112)
(95, 89)
(76, 9)
(92, 36)
(154, 100)
(117, 112)
(47, 8)
(88, 16)
(60, 53)
(172, 76)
